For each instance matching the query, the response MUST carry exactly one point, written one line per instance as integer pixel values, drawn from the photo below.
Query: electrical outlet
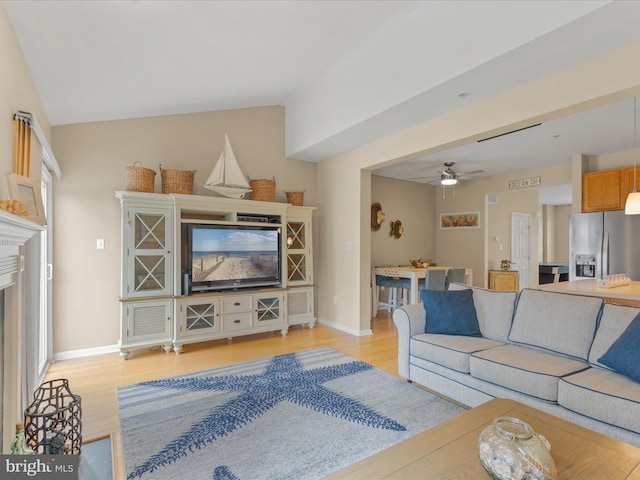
(335, 300)
(100, 243)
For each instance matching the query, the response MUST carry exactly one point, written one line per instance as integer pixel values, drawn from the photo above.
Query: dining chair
(454, 275)
(433, 280)
(398, 291)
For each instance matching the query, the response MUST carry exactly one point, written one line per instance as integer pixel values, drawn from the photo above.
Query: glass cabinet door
(149, 254)
(199, 317)
(296, 233)
(298, 252)
(268, 308)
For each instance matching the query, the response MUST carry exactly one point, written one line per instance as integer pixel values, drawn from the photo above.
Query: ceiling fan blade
(424, 178)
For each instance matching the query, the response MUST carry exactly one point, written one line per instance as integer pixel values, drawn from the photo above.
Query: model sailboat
(226, 178)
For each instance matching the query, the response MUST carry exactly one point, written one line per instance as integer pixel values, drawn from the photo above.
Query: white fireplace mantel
(15, 231)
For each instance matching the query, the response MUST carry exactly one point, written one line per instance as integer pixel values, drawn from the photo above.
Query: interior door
(521, 246)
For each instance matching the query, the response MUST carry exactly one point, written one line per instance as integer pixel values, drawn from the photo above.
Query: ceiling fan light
(448, 178)
(632, 207)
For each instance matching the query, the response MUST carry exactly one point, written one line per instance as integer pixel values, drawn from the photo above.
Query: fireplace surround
(16, 280)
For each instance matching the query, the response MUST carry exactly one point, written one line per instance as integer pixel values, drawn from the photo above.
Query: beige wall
(555, 233)
(414, 205)
(499, 224)
(602, 79)
(17, 92)
(561, 234)
(93, 157)
(468, 248)
(613, 160)
(546, 250)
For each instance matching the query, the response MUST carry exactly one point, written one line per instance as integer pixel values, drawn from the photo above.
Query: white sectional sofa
(539, 348)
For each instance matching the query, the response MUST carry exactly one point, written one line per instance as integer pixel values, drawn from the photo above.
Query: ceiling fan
(449, 176)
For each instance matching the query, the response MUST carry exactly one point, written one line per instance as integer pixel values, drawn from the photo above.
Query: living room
(94, 155)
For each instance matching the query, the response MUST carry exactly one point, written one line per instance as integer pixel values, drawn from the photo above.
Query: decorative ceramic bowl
(510, 450)
(419, 263)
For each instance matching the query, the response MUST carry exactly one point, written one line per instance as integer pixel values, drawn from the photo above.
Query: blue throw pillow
(624, 354)
(450, 312)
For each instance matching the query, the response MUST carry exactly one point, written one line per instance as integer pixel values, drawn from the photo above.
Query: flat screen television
(221, 257)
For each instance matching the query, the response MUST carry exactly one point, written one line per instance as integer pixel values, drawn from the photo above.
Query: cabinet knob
(236, 321)
(236, 304)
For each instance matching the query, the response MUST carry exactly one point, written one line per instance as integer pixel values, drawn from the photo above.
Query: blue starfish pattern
(223, 473)
(283, 379)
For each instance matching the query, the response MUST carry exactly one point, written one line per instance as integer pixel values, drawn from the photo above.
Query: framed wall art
(459, 220)
(28, 191)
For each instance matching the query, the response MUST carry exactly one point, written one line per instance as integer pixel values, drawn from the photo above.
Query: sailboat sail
(226, 178)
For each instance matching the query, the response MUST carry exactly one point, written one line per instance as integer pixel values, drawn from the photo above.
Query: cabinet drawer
(236, 321)
(241, 303)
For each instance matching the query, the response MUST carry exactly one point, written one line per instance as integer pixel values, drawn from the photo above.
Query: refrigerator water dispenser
(585, 265)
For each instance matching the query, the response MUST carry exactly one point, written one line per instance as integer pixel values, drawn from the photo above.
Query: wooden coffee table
(449, 450)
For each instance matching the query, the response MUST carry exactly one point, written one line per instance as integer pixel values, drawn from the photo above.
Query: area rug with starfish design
(296, 416)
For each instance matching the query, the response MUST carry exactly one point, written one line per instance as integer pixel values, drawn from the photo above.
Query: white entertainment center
(157, 306)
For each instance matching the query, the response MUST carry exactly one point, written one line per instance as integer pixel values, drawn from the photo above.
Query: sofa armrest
(409, 320)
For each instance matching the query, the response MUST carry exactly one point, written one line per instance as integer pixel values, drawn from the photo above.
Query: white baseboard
(89, 352)
(342, 328)
(85, 352)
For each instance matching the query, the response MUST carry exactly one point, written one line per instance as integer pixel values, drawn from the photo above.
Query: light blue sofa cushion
(603, 395)
(451, 351)
(494, 310)
(524, 370)
(561, 323)
(613, 322)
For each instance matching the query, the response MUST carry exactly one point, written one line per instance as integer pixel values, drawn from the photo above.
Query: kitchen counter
(627, 294)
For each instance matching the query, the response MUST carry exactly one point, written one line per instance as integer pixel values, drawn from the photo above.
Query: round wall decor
(377, 216)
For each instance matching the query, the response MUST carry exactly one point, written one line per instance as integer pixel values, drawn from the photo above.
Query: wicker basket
(295, 198)
(140, 179)
(177, 181)
(263, 190)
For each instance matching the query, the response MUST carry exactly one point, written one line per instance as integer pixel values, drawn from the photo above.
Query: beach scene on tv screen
(220, 254)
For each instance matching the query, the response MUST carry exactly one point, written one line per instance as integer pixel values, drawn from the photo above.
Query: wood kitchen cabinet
(604, 190)
(607, 189)
(627, 183)
(503, 280)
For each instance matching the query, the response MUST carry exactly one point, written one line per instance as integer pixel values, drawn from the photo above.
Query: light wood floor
(96, 378)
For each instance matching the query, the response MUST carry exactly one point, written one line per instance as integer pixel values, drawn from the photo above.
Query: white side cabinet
(147, 270)
(144, 323)
(300, 300)
(300, 306)
(227, 315)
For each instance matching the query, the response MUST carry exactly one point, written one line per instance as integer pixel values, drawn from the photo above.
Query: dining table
(414, 274)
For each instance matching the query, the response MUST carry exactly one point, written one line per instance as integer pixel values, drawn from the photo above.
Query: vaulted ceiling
(347, 72)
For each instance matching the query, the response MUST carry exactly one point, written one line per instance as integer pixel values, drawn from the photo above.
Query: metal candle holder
(52, 423)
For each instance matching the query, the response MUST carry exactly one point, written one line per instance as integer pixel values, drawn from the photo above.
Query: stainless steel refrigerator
(604, 243)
